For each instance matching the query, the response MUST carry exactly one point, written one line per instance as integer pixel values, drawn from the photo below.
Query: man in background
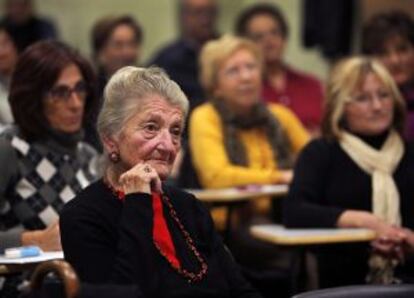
(24, 25)
(197, 21)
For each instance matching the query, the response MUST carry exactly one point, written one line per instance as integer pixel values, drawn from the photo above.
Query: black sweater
(326, 183)
(109, 241)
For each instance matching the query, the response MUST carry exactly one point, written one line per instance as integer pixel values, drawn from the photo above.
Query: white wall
(75, 18)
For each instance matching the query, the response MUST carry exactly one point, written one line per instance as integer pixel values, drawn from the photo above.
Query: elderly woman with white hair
(130, 228)
(358, 175)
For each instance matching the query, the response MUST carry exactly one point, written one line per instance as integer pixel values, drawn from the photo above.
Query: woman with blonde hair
(358, 175)
(236, 139)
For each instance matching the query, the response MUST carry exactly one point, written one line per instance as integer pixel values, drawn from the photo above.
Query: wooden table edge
(311, 240)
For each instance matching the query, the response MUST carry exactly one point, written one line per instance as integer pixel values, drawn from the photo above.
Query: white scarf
(380, 165)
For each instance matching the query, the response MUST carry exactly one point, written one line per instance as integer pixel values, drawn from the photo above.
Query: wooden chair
(54, 279)
(57, 279)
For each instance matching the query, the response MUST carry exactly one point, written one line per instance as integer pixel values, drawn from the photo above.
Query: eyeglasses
(368, 98)
(236, 71)
(63, 93)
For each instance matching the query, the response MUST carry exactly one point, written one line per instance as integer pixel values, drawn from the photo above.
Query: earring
(114, 157)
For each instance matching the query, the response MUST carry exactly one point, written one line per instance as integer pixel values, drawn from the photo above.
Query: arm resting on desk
(9, 237)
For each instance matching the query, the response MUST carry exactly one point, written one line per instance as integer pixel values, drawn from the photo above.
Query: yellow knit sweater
(210, 159)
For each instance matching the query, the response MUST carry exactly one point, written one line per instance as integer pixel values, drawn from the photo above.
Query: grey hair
(125, 92)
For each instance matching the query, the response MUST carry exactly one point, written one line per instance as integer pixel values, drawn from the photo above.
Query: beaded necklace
(191, 277)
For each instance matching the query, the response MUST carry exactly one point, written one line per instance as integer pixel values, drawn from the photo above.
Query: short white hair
(125, 92)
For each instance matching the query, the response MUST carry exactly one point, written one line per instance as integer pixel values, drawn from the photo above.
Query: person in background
(358, 175)
(8, 60)
(236, 139)
(129, 228)
(24, 25)
(302, 93)
(116, 42)
(390, 38)
(197, 22)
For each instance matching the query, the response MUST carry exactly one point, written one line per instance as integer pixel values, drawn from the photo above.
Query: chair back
(363, 291)
(54, 279)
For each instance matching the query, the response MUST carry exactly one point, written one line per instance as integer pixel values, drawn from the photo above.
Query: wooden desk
(280, 235)
(8, 266)
(237, 194)
(230, 197)
(300, 239)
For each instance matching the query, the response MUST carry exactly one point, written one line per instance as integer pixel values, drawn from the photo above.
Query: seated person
(129, 227)
(43, 161)
(116, 42)
(8, 60)
(236, 139)
(357, 175)
(390, 38)
(265, 25)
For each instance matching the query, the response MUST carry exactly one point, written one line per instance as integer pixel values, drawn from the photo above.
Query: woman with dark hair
(116, 42)
(43, 161)
(8, 60)
(302, 93)
(390, 38)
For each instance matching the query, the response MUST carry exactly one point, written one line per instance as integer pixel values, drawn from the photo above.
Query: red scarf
(160, 232)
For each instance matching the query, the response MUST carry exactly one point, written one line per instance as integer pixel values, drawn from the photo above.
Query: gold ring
(147, 169)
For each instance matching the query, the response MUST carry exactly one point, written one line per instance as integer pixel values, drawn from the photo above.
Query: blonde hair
(215, 52)
(345, 78)
(125, 92)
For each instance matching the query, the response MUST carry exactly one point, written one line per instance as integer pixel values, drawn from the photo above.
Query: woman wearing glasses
(43, 161)
(358, 175)
(237, 139)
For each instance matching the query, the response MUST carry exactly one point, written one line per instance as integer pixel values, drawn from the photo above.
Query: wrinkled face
(398, 56)
(239, 81)
(198, 18)
(372, 108)
(265, 31)
(63, 105)
(152, 135)
(122, 49)
(8, 54)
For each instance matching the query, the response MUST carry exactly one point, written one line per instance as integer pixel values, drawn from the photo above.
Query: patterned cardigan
(37, 179)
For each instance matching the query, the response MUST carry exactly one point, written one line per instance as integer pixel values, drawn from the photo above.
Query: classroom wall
(75, 18)
(158, 18)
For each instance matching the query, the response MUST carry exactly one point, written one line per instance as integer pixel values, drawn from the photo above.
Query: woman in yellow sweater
(235, 138)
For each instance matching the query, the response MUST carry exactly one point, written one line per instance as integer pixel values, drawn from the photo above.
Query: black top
(32, 30)
(326, 183)
(180, 61)
(109, 241)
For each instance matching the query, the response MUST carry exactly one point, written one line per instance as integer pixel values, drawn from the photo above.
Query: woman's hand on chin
(141, 178)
